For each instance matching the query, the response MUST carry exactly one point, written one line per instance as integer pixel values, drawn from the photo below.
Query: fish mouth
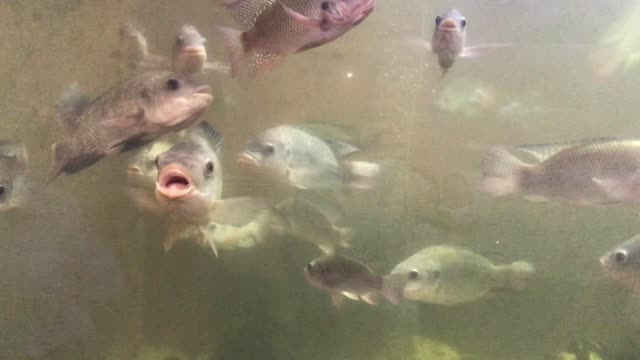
(194, 51)
(204, 93)
(174, 182)
(245, 159)
(448, 24)
(204, 90)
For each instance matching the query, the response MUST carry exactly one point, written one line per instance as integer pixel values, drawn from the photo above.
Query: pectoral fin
(173, 234)
(206, 237)
(72, 104)
(475, 50)
(351, 295)
(237, 211)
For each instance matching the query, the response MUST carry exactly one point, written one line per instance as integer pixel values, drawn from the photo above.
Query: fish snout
(246, 159)
(174, 182)
(448, 24)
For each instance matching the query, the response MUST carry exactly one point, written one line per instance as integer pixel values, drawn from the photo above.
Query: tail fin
(517, 274)
(392, 287)
(361, 174)
(501, 172)
(236, 51)
(345, 235)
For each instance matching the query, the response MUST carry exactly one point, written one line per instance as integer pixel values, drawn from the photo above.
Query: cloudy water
(383, 154)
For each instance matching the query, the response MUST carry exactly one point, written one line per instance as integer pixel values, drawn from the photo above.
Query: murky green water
(84, 275)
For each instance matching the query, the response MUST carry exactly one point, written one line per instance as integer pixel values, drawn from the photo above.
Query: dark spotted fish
(344, 276)
(127, 116)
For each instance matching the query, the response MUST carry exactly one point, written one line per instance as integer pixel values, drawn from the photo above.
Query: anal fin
(262, 62)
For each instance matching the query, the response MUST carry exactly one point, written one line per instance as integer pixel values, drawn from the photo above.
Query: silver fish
(586, 172)
(449, 40)
(295, 155)
(189, 189)
(623, 263)
(307, 218)
(13, 168)
(344, 276)
(451, 275)
(190, 53)
(128, 116)
(142, 172)
(277, 28)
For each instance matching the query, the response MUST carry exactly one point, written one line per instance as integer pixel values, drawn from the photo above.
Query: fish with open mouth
(188, 190)
(126, 117)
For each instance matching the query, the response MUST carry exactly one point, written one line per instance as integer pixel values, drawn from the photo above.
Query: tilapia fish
(451, 275)
(277, 28)
(13, 169)
(188, 190)
(312, 219)
(449, 40)
(587, 172)
(344, 276)
(128, 116)
(307, 159)
(189, 54)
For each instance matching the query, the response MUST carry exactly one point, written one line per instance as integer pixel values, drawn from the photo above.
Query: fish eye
(2, 190)
(324, 5)
(413, 274)
(209, 167)
(463, 22)
(173, 84)
(621, 256)
(269, 150)
(309, 267)
(438, 20)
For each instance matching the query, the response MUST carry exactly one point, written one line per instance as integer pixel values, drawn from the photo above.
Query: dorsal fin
(213, 136)
(71, 105)
(337, 137)
(543, 151)
(247, 11)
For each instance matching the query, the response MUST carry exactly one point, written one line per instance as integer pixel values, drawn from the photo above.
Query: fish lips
(449, 24)
(174, 182)
(246, 159)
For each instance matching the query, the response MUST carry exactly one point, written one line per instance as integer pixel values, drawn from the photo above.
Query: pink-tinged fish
(277, 28)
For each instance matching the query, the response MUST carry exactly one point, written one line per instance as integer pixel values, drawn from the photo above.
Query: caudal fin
(235, 50)
(501, 172)
(392, 287)
(361, 174)
(345, 236)
(518, 274)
